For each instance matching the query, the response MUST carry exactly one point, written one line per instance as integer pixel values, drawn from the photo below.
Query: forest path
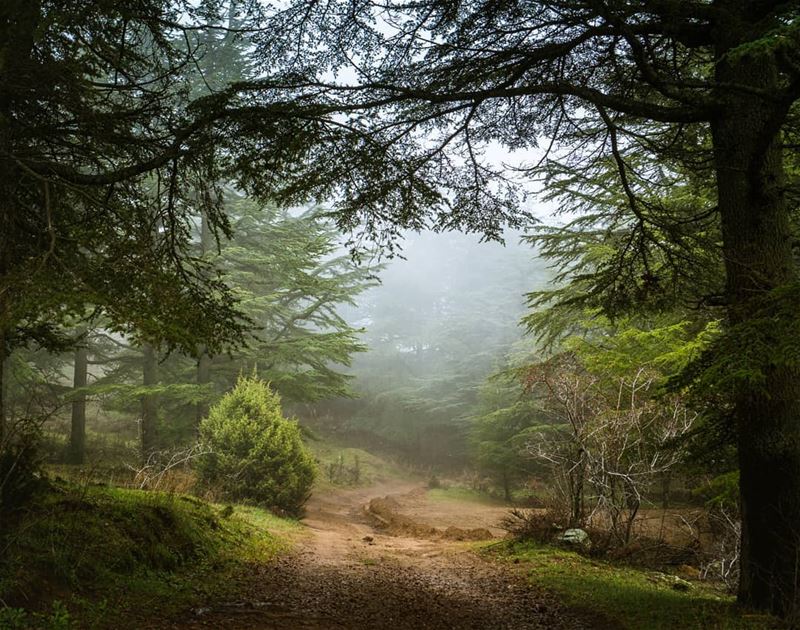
(344, 574)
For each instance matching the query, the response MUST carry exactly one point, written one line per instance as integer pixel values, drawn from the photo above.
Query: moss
(115, 548)
(630, 598)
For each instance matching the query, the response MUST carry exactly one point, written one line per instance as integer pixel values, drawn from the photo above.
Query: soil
(405, 570)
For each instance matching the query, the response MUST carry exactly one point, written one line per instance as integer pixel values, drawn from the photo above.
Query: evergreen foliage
(292, 283)
(671, 130)
(500, 435)
(255, 454)
(103, 156)
(438, 324)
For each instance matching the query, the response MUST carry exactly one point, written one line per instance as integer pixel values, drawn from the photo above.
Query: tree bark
(149, 426)
(4, 356)
(77, 436)
(758, 259)
(577, 477)
(506, 486)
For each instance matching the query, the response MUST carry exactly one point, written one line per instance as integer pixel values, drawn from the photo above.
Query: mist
(441, 321)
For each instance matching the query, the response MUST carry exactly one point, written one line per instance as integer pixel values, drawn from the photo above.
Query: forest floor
(390, 554)
(344, 573)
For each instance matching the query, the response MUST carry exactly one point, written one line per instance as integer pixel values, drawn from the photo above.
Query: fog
(442, 320)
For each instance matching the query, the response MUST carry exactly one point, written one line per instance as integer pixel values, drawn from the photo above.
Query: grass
(99, 554)
(454, 493)
(264, 520)
(628, 598)
(338, 465)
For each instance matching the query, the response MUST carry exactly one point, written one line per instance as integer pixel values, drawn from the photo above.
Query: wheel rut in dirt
(347, 574)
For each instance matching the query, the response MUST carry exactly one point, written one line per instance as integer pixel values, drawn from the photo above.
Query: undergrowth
(91, 556)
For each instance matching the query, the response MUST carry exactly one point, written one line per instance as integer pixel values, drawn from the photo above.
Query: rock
(368, 539)
(574, 538)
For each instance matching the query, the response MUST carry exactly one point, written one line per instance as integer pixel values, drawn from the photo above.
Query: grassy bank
(97, 556)
(455, 493)
(347, 466)
(628, 598)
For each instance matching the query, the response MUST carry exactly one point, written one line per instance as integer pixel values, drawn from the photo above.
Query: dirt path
(347, 575)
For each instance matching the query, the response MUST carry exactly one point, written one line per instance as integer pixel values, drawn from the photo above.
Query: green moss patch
(103, 552)
(630, 598)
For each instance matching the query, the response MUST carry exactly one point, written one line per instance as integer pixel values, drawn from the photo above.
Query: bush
(255, 454)
(20, 470)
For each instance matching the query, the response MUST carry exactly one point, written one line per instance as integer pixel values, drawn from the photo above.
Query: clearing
(346, 573)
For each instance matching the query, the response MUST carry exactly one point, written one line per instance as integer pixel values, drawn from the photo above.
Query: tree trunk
(4, 356)
(758, 259)
(666, 487)
(149, 426)
(77, 436)
(577, 477)
(19, 25)
(506, 486)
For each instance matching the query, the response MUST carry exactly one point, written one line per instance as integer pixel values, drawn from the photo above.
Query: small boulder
(574, 537)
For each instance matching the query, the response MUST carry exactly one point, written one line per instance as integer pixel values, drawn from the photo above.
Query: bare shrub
(168, 470)
(611, 442)
(341, 473)
(536, 525)
(724, 556)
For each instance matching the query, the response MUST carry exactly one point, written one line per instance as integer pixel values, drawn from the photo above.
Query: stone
(574, 537)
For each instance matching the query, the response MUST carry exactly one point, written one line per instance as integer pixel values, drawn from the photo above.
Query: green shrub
(255, 453)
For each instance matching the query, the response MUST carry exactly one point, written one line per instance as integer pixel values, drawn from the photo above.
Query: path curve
(345, 575)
